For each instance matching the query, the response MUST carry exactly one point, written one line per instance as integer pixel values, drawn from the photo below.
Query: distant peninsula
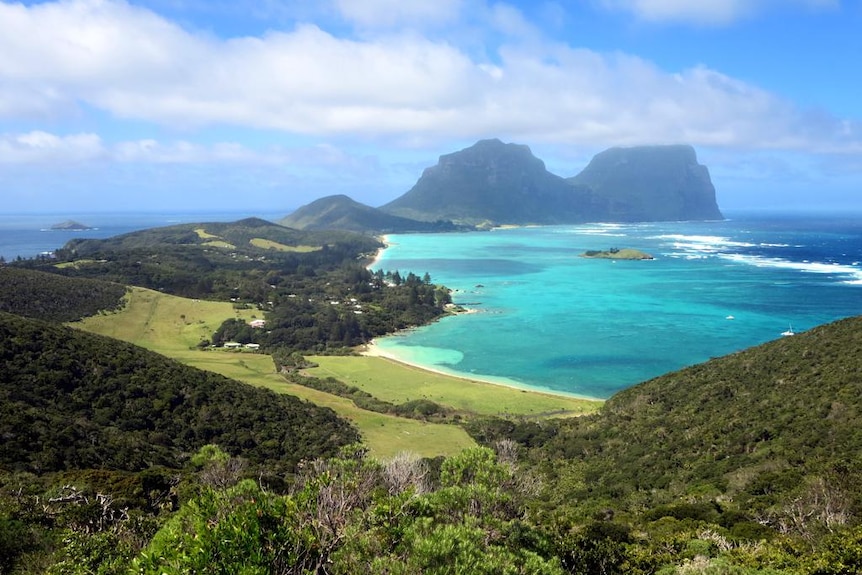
(617, 254)
(71, 225)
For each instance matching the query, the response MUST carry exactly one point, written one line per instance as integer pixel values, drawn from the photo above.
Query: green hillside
(761, 428)
(237, 261)
(74, 400)
(53, 297)
(343, 213)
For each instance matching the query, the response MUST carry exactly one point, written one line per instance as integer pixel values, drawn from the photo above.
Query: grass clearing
(163, 323)
(398, 383)
(220, 244)
(173, 326)
(205, 235)
(74, 265)
(273, 245)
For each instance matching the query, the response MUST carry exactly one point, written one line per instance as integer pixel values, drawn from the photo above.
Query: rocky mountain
(342, 213)
(506, 184)
(650, 183)
(492, 182)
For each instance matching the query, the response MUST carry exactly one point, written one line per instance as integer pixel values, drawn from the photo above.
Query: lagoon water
(549, 319)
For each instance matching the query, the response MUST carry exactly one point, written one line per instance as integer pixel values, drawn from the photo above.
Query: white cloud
(130, 63)
(711, 12)
(39, 147)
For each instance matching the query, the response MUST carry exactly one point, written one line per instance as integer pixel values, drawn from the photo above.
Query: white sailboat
(789, 331)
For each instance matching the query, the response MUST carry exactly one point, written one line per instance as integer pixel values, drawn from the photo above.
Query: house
(252, 346)
(232, 345)
(257, 323)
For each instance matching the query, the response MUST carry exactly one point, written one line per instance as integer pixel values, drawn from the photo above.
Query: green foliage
(55, 298)
(243, 529)
(181, 261)
(72, 400)
(421, 409)
(341, 213)
(753, 425)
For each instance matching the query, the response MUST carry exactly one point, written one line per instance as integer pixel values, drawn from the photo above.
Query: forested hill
(74, 400)
(236, 260)
(342, 213)
(251, 236)
(762, 426)
(53, 297)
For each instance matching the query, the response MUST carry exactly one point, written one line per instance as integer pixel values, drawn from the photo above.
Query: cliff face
(506, 184)
(650, 183)
(489, 181)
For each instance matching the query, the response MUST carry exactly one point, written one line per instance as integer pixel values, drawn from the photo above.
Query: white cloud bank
(58, 59)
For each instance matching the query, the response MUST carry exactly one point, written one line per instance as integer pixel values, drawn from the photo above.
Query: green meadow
(398, 383)
(174, 326)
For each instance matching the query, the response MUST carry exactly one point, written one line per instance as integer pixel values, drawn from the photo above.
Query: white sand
(373, 350)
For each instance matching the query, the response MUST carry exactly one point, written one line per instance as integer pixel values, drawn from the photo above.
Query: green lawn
(397, 383)
(173, 326)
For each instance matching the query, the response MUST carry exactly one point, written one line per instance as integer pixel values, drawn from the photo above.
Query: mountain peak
(489, 181)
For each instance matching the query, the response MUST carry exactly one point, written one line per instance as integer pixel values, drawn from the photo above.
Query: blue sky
(267, 105)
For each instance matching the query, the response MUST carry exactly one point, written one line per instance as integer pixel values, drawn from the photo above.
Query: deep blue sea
(549, 319)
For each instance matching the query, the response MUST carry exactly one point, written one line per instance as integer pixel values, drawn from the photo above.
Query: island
(617, 254)
(71, 225)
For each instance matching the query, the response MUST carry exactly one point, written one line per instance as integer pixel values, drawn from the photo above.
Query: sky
(266, 105)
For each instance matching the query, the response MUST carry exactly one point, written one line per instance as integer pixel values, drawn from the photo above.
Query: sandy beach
(379, 254)
(371, 349)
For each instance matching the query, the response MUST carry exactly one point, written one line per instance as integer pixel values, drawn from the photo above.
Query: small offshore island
(617, 254)
(72, 225)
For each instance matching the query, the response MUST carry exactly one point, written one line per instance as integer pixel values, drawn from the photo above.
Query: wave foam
(810, 267)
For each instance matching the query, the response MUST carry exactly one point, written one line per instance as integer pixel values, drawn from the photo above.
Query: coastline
(371, 349)
(379, 255)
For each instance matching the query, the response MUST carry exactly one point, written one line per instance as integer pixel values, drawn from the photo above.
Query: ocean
(546, 318)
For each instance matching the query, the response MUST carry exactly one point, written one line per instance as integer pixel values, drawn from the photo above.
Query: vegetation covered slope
(53, 297)
(218, 260)
(342, 213)
(73, 400)
(761, 427)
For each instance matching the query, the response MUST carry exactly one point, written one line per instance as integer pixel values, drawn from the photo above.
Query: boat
(789, 331)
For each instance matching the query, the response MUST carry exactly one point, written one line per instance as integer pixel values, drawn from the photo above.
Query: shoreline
(379, 254)
(371, 349)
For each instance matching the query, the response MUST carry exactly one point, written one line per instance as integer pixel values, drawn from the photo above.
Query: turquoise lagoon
(549, 319)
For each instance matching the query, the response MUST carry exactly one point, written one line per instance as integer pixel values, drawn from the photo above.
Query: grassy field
(273, 245)
(397, 383)
(173, 326)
